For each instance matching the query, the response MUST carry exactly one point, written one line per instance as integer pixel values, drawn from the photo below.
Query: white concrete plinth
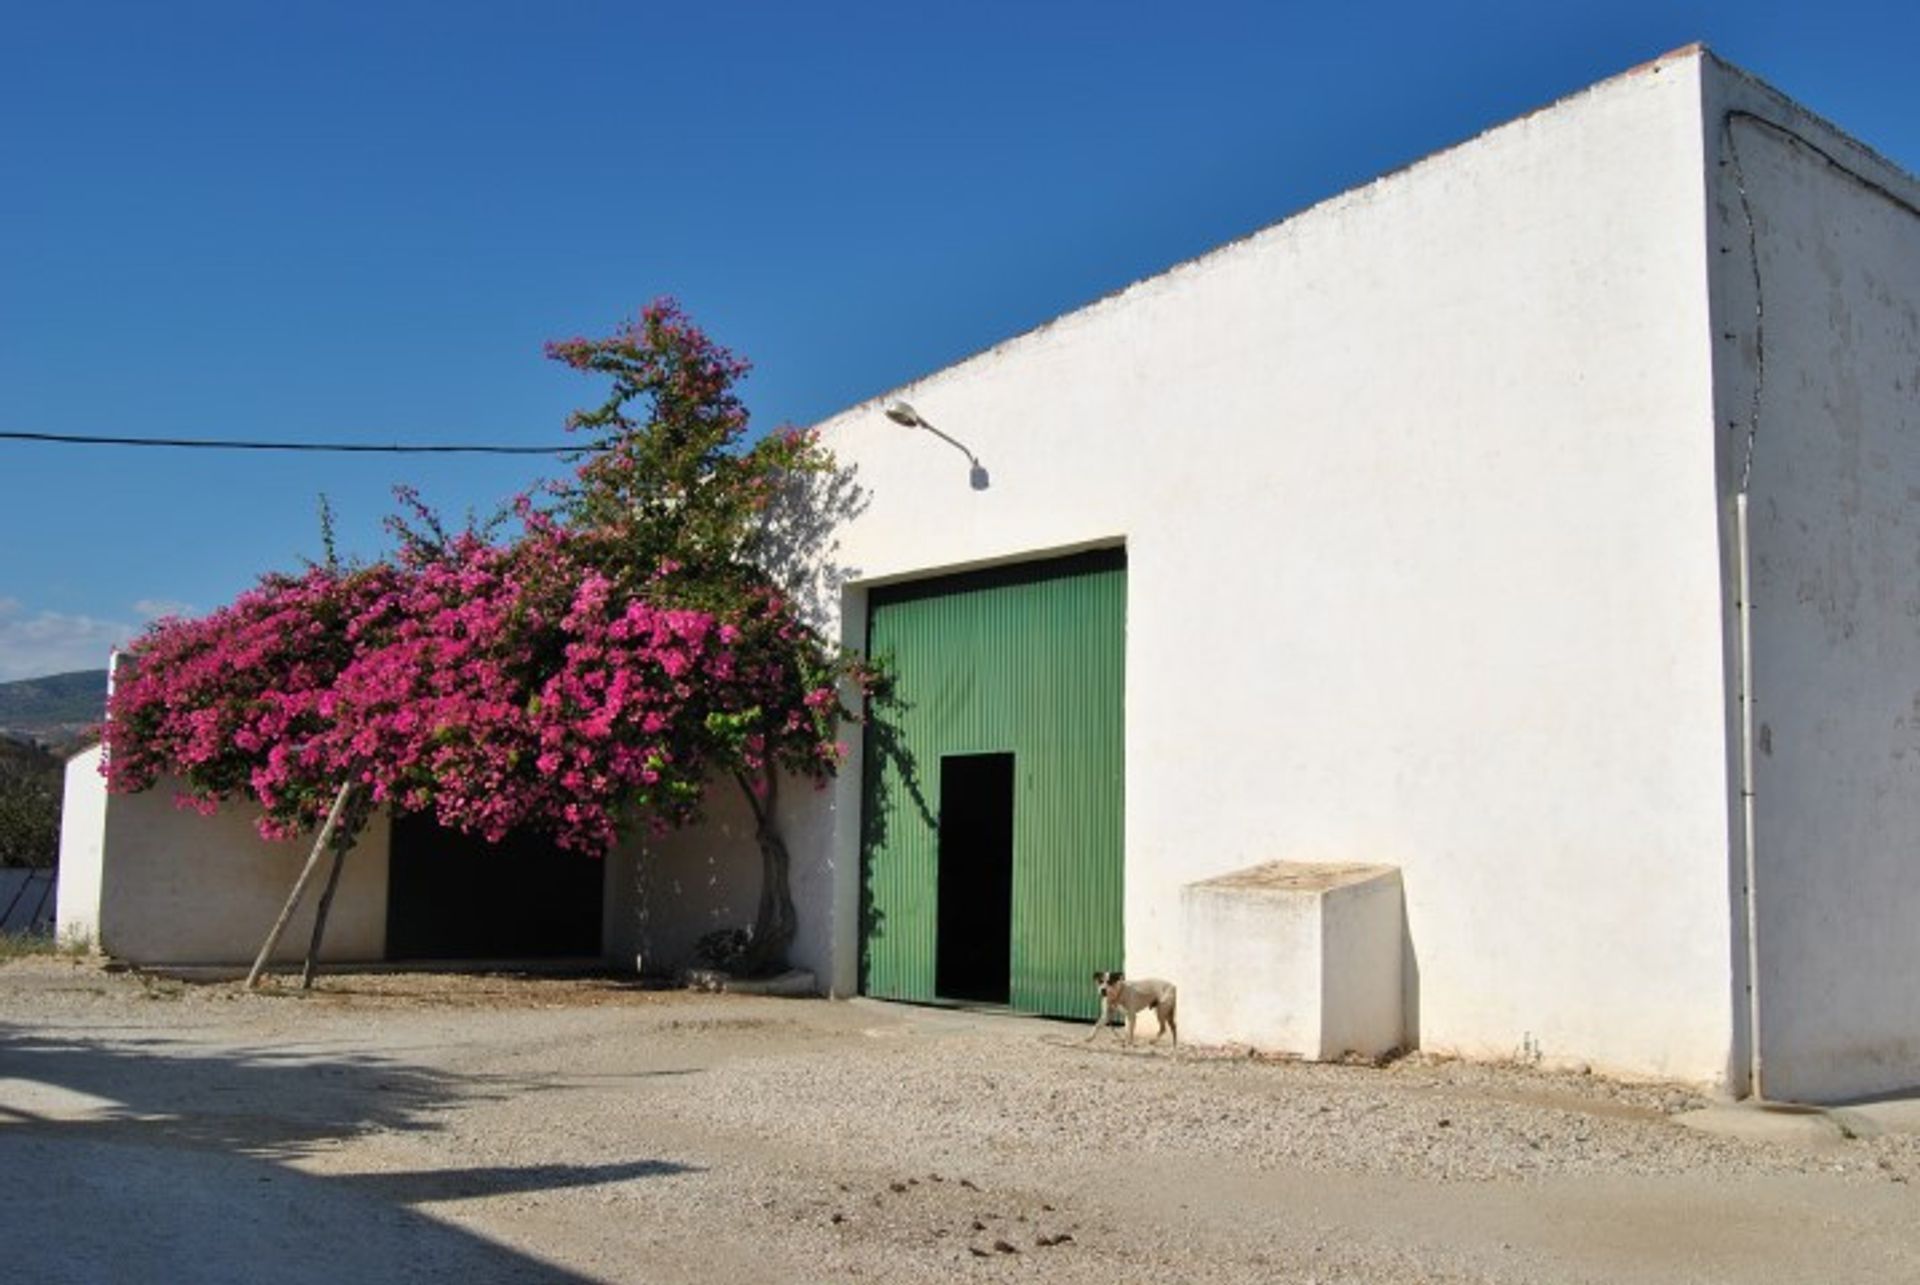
(1295, 957)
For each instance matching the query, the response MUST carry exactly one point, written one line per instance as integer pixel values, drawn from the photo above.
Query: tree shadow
(799, 538)
(159, 1161)
(427, 1185)
(273, 1103)
(890, 770)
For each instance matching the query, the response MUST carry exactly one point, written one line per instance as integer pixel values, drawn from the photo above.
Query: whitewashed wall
(1823, 365)
(665, 892)
(1417, 489)
(181, 888)
(83, 831)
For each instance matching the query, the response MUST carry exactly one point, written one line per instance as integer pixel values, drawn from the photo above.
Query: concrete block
(1294, 957)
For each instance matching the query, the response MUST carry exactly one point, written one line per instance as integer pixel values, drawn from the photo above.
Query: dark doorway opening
(455, 896)
(975, 930)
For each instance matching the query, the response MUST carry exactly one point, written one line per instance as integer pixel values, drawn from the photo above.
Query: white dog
(1117, 994)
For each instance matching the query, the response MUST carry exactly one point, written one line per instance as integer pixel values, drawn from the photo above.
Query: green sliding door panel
(992, 828)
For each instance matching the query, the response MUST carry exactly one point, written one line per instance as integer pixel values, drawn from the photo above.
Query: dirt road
(410, 1128)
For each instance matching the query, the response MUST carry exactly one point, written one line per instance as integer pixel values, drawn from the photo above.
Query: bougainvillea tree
(601, 669)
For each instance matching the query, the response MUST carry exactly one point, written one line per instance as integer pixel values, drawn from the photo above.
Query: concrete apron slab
(1802, 1124)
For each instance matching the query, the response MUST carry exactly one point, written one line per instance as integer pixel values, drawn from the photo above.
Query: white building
(1419, 523)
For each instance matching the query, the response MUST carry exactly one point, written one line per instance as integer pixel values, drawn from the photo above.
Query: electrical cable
(232, 444)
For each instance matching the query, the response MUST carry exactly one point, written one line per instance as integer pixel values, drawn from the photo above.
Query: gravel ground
(415, 1127)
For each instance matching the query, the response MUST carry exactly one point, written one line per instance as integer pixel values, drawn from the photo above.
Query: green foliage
(20, 945)
(677, 505)
(672, 477)
(30, 789)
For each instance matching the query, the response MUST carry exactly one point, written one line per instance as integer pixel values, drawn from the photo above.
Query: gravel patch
(586, 1129)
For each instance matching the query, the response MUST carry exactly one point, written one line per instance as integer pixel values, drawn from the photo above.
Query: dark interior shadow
(157, 1161)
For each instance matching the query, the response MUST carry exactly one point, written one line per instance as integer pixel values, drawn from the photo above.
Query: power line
(231, 444)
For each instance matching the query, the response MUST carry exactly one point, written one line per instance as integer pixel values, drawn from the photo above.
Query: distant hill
(56, 711)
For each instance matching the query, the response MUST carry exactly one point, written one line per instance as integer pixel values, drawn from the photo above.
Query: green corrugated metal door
(1021, 663)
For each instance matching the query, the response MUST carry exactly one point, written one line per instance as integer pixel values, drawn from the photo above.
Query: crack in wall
(1802, 143)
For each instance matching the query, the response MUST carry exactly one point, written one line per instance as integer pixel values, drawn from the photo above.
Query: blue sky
(359, 222)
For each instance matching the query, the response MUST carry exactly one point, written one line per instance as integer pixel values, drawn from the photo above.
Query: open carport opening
(975, 928)
(452, 896)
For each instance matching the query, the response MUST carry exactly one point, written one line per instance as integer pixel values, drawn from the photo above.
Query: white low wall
(83, 832)
(665, 892)
(670, 890)
(186, 889)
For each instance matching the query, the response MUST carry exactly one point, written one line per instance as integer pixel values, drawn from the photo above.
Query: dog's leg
(1163, 1012)
(1106, 1011)
(1133, 1015)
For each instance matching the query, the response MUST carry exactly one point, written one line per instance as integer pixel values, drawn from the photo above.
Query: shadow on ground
(138, 1160)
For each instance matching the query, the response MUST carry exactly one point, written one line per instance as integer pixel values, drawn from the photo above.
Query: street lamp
(906, 416)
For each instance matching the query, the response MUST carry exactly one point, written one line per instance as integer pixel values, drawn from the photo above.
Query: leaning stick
(299, 885)
(320, 917)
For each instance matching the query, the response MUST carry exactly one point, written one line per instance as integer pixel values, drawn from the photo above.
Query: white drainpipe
(1744, 686)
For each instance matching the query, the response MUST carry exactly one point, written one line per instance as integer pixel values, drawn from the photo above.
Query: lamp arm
(953, 442)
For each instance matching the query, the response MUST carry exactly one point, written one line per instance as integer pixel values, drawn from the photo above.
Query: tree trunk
(299, 886)
(776, 919)
(320, 913)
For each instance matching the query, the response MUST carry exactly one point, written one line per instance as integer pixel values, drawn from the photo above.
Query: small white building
(1538, 521)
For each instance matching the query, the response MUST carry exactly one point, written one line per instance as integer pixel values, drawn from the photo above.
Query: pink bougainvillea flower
(598, 669)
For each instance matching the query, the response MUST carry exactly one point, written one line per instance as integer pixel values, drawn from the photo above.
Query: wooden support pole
(299, 885)
(320, 917)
